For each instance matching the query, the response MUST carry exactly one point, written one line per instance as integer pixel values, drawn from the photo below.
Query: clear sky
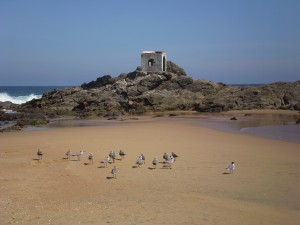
(69, 42)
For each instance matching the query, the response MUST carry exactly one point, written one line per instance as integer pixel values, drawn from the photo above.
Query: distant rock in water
(138, 92)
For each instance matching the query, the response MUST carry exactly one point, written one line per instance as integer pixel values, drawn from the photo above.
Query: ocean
(22, 94)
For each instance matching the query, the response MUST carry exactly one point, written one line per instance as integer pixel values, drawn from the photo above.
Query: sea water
(22, 94)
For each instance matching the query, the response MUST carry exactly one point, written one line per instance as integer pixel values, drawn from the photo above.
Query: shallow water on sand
(282, 127)
(282, 132)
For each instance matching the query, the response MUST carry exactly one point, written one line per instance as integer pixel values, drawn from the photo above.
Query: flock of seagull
(112, 156)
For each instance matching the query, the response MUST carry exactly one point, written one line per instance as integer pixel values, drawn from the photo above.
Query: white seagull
(91, 158)
(79, 154)
(139, 161)
(114, 172)
(112, 155)
(174, 155)
(154, 162)
(170, 161)
(105, 161)
(231, 167)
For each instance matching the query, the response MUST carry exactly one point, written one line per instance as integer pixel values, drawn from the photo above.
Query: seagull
(165, 156)
(105, 161)
(174, 155)
(154, 162)
(143, 158)
(91, 158)
(139, 161)
(114, 172)
(170, 161)
(40, 154)
(79, 154)
(122, 154)
(68, 153)
(112, 155)
(231, 167)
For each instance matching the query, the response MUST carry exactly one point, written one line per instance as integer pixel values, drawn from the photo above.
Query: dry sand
(264, 188)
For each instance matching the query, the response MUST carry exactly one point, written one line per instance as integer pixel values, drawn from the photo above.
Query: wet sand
(264, 189)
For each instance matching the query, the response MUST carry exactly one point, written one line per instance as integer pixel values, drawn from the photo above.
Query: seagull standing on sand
(68, 154)
(112, 155)
(91, 158)
(114, 172)
(105, 161)
(122, 154)
(143, 158)
(40, 154)
(165, 156)
(174, 155)
(231, 167)
(170, 161)
(79, 154)
(154, 162)
(139, 161)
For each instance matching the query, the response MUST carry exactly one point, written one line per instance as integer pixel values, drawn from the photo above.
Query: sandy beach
(264, 188)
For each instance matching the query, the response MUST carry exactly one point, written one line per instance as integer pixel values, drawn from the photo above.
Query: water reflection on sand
(275, 126)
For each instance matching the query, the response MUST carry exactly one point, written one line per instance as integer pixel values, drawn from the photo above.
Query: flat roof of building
(144, 52)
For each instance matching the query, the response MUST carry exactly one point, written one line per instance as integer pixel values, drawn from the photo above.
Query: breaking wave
(4, 97)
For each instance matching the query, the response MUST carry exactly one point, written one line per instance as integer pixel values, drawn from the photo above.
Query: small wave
(4, 97)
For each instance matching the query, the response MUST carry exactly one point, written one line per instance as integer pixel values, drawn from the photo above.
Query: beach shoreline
(197, 190)
(275, 124)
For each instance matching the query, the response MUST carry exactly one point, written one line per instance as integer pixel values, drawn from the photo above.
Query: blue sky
(69, 42)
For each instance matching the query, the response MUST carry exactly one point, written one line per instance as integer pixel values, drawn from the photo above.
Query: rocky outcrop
(139, 92)
(173, 68)
(280, 95)
(134, 93)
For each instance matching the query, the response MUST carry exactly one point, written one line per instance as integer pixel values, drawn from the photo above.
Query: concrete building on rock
(154, 61)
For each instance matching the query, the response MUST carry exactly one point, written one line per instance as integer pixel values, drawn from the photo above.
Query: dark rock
(173, 68)
(184, 81)
(138, 92)
(233, 118)
(100, 82)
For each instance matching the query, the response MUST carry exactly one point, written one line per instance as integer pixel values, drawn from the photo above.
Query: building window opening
(164, 64)
(151, 62)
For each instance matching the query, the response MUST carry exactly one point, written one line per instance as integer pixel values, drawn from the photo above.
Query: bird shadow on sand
(135, 167)
(102, 167)
(225, 173)
(86, 164)
(151, 168)
(109, 178)
(36, 159)
(166, 167)
(64, 158)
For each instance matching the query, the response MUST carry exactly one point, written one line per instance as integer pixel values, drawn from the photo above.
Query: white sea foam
(4, 97)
